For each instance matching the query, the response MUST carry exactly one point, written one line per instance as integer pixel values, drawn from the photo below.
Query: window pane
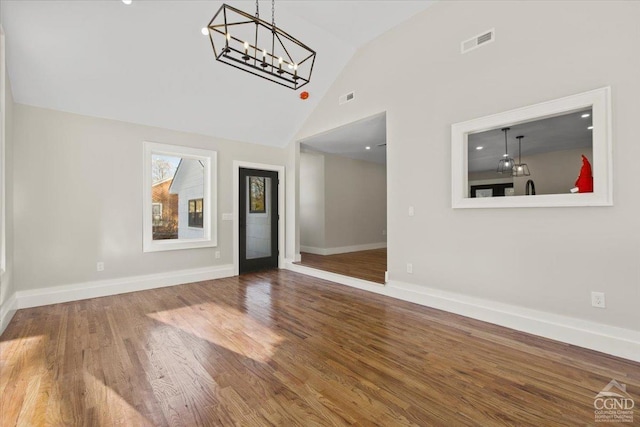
(164, 203)
(195, 213)
(257, 203)
(258, 235)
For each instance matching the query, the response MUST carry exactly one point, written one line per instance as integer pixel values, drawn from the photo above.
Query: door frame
(237, 165)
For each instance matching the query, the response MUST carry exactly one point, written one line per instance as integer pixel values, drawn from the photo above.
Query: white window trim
(210, 229)
(600, 102)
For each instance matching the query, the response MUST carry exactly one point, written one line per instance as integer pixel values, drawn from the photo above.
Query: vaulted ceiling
(148, 62)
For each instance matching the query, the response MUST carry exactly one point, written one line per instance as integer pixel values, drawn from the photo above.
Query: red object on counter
(585, 180)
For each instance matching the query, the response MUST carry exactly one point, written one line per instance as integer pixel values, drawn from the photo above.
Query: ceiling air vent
(479, 40)
(346, 98)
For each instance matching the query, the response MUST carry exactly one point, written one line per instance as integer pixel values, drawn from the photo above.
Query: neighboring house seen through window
(195, 213)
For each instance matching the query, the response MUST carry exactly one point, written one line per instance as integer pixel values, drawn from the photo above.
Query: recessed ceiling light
(204, 31)
(127, 2)
(367, 148)
(584, 116)
(590, 127)
(479, 148)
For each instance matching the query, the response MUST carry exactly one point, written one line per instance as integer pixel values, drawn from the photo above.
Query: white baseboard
(7, 310)
(608, 339)
(342, 249)
(333, 277)
(101, 288)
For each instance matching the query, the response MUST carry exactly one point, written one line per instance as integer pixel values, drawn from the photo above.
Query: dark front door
(258, 220)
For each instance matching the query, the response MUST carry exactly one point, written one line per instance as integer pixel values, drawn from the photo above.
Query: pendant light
(520, 169)
(505, 165)
(259, 47)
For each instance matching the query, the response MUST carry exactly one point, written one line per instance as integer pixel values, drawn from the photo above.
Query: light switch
(411, 211)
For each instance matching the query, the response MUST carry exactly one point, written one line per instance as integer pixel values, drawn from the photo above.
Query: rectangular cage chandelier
(258, 47)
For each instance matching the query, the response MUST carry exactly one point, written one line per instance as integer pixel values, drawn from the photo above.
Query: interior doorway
(258, 220)
(343, 200)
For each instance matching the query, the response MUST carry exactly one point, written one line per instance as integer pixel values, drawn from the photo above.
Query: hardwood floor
(280, 348)
(367, 265)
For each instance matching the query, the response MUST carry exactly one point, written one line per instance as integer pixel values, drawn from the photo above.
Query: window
(179, 209)
(156, 209)
(589, 113)
(195, 213)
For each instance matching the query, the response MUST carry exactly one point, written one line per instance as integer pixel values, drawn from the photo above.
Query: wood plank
(281, 348)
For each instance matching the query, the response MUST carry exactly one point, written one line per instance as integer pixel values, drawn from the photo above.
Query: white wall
(558, 50)
(78, 198)
(343, 203)
(312, 200)
(355, 202)
(7, 287)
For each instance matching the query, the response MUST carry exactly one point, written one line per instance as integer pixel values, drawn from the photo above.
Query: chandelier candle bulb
(226, 44)
(246, 51)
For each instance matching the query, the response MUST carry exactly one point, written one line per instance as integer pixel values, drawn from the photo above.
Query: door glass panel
(258, 213)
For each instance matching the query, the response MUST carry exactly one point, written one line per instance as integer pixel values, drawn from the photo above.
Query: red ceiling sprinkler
(304, 95)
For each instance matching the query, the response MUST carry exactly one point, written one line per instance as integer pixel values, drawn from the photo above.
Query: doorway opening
(343, 200)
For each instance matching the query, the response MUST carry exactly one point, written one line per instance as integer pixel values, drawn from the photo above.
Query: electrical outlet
(386, 277)
(384, 232)
(409, 268)
(100, 266)
(597, 299)
(412, 211)
(217, 254)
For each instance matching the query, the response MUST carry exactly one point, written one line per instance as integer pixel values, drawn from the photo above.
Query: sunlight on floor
(224, 326)
(110, 407)
(23, 374)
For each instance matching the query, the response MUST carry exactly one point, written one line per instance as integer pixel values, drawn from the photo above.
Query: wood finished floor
(367, 265)
(280, 348)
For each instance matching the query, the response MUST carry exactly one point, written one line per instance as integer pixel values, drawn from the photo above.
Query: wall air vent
(346, 98)
(481, 39)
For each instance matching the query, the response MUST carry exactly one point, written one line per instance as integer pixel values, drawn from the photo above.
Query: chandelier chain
(273, 12)
(257, 9)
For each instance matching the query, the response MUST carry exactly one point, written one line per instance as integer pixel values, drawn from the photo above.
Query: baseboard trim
(7, 310)
(607, 339)
(102, 288)
(342, 249)
(620, 342)
(332, 277)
